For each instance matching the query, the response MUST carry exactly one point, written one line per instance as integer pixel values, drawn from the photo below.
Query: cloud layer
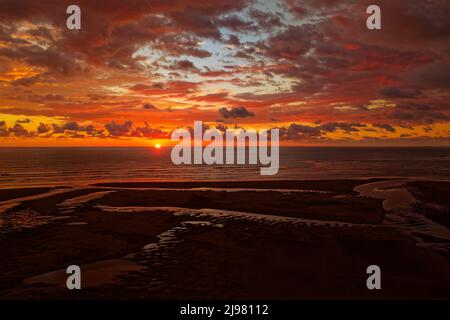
(308, 67)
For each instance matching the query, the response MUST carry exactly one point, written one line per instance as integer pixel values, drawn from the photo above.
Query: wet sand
(433, 200)
(343, 186)
(8, 194)
(288, 240)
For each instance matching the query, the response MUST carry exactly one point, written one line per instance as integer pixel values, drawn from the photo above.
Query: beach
(285, 239)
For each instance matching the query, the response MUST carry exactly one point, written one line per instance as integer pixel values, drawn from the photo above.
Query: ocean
(26, 167)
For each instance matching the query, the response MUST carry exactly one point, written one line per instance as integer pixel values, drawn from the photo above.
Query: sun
(157, 146)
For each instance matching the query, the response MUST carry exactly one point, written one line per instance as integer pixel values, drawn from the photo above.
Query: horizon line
(165, 147)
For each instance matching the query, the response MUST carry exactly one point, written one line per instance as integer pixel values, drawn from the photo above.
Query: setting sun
(157, 146)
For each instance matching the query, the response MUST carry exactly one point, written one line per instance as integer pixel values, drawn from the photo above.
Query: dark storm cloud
(116, 129)
(393, 92)
(384, 126)
(71, 126)
(149, 106)
(173, 88)
(299, 132)
(43, 128)
(148, 132)
(304, 132)
(184, 65)
(238, 112)
(419, 114)
(233, 40)
(19, 131)
(435, 75)
(23, 120)
(79, 131)
(57, 62)
(3, 129)
(346, 127)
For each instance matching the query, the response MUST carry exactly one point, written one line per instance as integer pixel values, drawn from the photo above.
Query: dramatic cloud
(76, 130)
(392, 92)
(238, 112)
(43, 128)
(116, 130)
(310, 65)
(149, 106)
(3, 130)
(299, 132)
(23, 121)
(150, 133)
(305, 132)
(419, 114)
(384, 126)
(19, 131)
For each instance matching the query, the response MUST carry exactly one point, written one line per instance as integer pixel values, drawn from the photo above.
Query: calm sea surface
(22, 167)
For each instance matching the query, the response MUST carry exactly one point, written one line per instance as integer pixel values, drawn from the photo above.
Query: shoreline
(185, 184)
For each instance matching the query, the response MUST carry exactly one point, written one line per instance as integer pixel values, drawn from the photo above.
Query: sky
(138, 69)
